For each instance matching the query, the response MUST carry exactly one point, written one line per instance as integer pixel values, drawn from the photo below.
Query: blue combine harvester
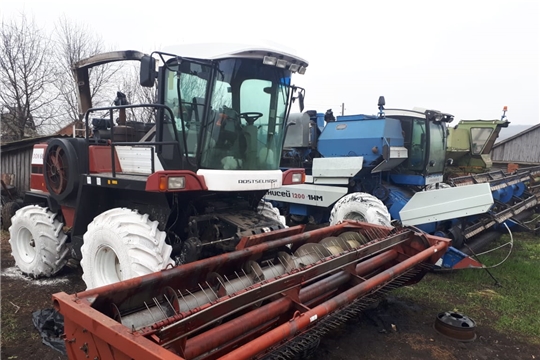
(390, 167)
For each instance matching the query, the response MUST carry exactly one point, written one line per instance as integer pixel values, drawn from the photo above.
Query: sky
(467, 58)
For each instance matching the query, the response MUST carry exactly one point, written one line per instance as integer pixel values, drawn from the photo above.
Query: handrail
(159, 126)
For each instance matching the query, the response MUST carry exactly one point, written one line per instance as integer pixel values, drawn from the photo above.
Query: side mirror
(301, 101)
(148, 71)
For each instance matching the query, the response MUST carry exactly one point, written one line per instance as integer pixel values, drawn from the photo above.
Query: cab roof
(216, 51)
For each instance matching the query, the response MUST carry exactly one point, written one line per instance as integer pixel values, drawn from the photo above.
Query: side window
(479, 137)
(437, 150)
(418, 145)
(189, 104)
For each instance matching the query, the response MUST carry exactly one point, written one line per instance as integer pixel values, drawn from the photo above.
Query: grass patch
(511, 308)
(9, 324)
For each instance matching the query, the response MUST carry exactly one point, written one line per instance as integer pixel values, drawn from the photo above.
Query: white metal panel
(398, 152)
(396, 155)
(386, 165)
(331, 181)
(433, 179)
(447, 203)
(37, 156)
(307, 194)
(241, 180)
(337, 166)
(137, 159)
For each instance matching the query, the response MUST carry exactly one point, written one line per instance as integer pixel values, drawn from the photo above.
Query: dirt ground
(413, 337)
(395, 329)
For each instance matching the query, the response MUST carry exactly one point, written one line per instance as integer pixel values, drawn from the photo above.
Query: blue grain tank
(360, 135)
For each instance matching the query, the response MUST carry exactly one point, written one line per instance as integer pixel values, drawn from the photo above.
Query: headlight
(269, 60)
(297, 178)
(176, 182)
(281, 63)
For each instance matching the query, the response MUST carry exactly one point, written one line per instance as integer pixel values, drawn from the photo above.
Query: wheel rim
(26, 246)
(356, 216)
(107, 266)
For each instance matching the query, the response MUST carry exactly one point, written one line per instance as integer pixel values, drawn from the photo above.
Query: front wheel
(38, 243)
(268, 210)
(360, 207)
(121, 244)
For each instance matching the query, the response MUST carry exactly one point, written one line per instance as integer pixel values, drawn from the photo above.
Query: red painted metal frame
(192, 181)
(37, 180)
(303, 321)
(248, 241)
(312, 292)
(288, 174)
(69, 215)
(99, 159)
(219, 335)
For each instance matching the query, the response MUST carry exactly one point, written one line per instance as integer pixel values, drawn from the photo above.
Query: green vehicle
(469, 145)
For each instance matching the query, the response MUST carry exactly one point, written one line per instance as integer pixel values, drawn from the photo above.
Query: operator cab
(228, 110)
(425, 135)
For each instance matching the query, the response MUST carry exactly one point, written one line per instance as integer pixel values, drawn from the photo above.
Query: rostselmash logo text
(257, 181)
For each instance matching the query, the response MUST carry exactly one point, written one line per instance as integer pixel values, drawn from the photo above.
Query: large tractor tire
(361, 207)
(38, 243)
(267, 209)
(8, 211)
(121, 244)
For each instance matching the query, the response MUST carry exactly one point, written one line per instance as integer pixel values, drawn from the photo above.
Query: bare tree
(136, 94)
(76, 42)
(27, 70)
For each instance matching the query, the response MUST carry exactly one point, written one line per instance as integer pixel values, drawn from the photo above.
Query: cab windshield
(233, 114)
(479, 138)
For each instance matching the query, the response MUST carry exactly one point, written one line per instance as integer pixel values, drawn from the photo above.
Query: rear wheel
(121, 244)
(8, 211)
(360, 207)
(38, 243)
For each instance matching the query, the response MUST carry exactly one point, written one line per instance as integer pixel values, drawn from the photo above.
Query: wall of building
(522, 149)
(18, 163)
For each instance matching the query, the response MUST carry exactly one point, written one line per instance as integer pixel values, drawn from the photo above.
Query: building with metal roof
(522, 148)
